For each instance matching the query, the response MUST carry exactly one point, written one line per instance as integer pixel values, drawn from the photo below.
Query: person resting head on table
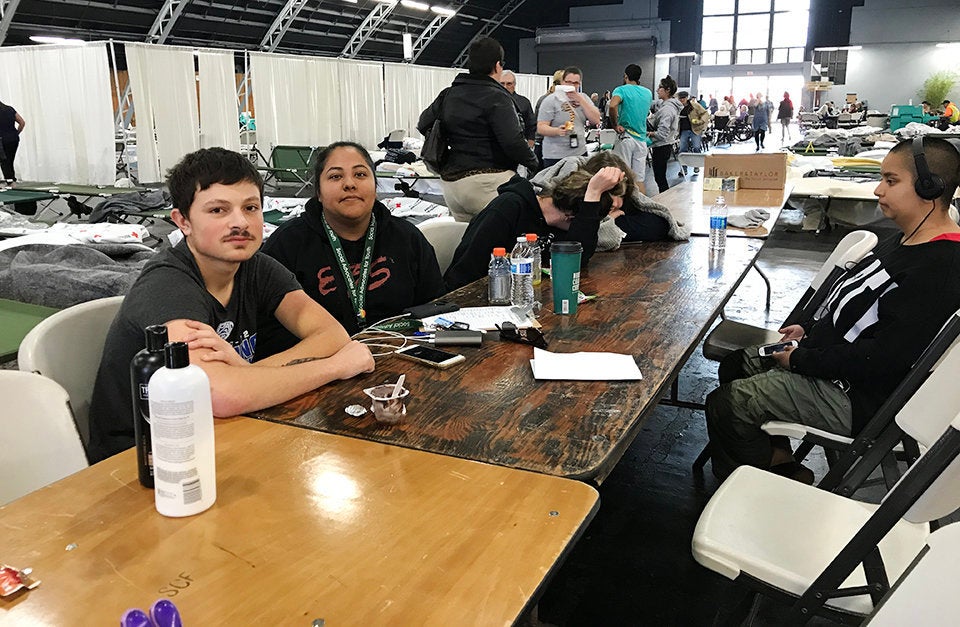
(877, 319)
(211, 290)
(639, 217)
(387, 263)
(569, 210)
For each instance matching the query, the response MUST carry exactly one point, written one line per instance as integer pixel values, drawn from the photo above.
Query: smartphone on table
(430, 356)
(769, 349)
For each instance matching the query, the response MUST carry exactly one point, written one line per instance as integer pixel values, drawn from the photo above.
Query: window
(680, 70)
(718, 7)
(833, 65)
(754, 31)
(790, 29)
(753, 6)
(717, 33)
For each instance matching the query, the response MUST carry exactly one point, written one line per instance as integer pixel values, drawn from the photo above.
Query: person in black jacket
(876, 321)
(480, 122)
(11, 125)
(399, 271)
(570, 210)
(524, 109)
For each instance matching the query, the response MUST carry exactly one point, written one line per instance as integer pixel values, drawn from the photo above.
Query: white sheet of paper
(584, 366)
(482, 318)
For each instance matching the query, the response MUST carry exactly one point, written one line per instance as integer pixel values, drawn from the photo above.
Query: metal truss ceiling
(278, 29)
(7, 9)
(492, 25)
(166, 18)
(371, 24)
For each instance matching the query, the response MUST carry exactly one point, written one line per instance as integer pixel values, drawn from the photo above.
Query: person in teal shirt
(629, 108)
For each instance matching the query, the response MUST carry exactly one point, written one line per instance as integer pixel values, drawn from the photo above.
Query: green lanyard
(358, 293)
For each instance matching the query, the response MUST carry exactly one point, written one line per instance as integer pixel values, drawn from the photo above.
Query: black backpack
(435, 148)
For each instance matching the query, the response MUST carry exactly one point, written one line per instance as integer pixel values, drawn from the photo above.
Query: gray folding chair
(66, 347)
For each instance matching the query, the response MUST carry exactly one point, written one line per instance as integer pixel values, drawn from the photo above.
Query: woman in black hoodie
(387, 264)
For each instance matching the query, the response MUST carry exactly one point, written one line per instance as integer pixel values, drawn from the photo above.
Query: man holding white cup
(562, 119)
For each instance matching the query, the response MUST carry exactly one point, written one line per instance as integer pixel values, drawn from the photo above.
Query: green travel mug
(565, 275)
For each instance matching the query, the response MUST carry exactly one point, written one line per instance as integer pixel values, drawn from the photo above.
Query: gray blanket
(62, 276)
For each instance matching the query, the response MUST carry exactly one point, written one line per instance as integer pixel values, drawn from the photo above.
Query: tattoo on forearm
(302, 360)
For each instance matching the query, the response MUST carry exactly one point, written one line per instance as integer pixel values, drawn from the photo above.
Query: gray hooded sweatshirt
(665, 123)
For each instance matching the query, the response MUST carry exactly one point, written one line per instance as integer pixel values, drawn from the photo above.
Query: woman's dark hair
(200, 169)
(669, 84)
(484, 55)
(323, 154)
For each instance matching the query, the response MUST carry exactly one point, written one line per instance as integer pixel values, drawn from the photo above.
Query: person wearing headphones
(859, 345)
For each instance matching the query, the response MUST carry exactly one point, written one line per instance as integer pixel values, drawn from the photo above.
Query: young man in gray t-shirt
(212, 291)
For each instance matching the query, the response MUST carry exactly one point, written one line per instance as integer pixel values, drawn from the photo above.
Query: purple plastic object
(135, 618)
(165, 614)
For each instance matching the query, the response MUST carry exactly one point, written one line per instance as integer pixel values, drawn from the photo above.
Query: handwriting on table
(180, 582)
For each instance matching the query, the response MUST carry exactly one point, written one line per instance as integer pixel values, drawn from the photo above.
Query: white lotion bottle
(181, 429)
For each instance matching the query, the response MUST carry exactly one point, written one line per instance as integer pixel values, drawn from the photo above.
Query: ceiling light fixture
(413, 4)
(45, 39)
(408, 46)
(835, 48)
(668, 55)
(949, 44)
(443, 11)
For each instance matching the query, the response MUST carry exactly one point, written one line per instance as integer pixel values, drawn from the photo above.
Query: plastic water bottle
(181, 430)
(535, 253)
(521, 274)
(718, 224)
(498, 287)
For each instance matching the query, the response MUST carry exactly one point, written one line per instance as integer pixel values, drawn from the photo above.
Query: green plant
(936, 88)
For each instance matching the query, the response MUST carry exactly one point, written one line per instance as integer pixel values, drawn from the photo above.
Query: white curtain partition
(63, 93)
(532, 86)
(297, 100)
(362, 103)
(164, 87)
(219, 112)
(409, 89)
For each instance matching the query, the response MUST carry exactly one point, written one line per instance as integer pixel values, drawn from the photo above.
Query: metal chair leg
(702, 459)
(765, 280)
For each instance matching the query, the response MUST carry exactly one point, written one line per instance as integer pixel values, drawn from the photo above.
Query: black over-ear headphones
(928, 185)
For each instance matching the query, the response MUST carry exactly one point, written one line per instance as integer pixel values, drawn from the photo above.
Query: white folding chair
(926, 594)
(39, 442)
(444, 234)
(823, 552)
(66, 347)
(692, 159)
(729, 335)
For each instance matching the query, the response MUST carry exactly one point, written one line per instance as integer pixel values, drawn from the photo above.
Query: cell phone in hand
(430, 356)
(769, 349)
